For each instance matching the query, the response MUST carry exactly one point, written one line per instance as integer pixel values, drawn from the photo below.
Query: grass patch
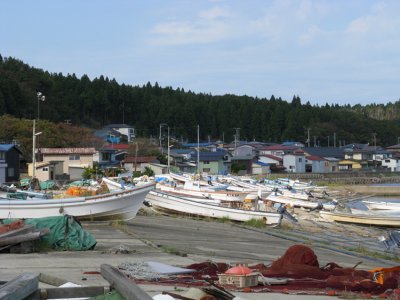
(172, 250)
(223, 220)
(366, 252)
(257, 223)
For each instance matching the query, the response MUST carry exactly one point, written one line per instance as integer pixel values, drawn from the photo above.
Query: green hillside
(101, 101)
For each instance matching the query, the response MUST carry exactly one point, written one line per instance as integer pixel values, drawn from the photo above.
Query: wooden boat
(357, 217)
(117, 205)
(165, 202)
(382, 205)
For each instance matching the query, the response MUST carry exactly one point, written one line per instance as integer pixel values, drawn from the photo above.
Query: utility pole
(168, 150)
(236, 136)
(136, 152)
(198, 149)
(328, 140)
(308, 136)
(334, 139)
(315, 141)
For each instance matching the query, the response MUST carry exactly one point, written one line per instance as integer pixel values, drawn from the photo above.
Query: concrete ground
(149, 237)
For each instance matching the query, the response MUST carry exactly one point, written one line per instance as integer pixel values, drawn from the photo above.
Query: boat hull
(163, 201)
(375, 220)
(120, 205)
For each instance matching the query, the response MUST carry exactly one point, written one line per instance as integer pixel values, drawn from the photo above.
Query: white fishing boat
(382, 205)
(116, 205)
(193, 189)
(301, 203)
(361, 217)
(166, 202)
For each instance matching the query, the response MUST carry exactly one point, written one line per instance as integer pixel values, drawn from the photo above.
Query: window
(45, 169)
(206, 162)
(74, 157)
(300, 159)
(206, 169)
(10, 172)
(2, 155)
(387, 160)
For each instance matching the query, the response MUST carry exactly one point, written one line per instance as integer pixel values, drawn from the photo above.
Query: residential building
(350, 165)
(392, 163)
(275, 163)
(9, 163)
(52, 170)
(295, 162)
(316, 164)
(278, 150)
(259, 168)
(74, 159)
(213, 162)
(332, 164)
(111, 155)
(139, 163)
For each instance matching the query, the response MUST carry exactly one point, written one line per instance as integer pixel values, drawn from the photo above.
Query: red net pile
(301, 266)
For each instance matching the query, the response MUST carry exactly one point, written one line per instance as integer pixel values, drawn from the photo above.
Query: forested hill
(103, 101)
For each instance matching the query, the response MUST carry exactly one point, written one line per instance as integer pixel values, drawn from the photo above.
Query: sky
(326, 51)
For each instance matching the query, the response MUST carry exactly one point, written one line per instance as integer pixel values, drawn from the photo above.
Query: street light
(40, 97)
(34, 135)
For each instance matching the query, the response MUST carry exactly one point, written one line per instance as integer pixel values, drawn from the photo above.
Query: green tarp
(113, 295)
(65, 233)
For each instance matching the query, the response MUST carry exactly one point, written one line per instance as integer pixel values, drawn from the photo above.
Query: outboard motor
(282, 210)
(392, 240)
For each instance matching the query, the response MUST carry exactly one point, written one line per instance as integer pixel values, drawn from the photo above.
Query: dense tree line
(101, 101)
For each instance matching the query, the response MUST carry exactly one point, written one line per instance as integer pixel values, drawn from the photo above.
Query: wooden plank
(25, 229)
(20, 287)
(123, 285)
(12, 240)
(51, 280)
(73, 292)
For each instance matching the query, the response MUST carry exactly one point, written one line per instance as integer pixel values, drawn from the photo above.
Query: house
(278, 150)
(245, 163)
(182, 159)
(275, 163)
(245, 150)
(392, 163)
(111, 155)
(139, 163)
(213, 162)
(158, 169)
(9, 163)
(333, 152)
(52, 170)
(74, 159)
(295, 162)
(259, 168)
(349, 165)
(394, 149)
(316, 164)
(332, 164)
(127, 131)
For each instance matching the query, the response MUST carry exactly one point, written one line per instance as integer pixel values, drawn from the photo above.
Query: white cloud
(360, 25)
(209, 26)
(304, 10)
(214, 13)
